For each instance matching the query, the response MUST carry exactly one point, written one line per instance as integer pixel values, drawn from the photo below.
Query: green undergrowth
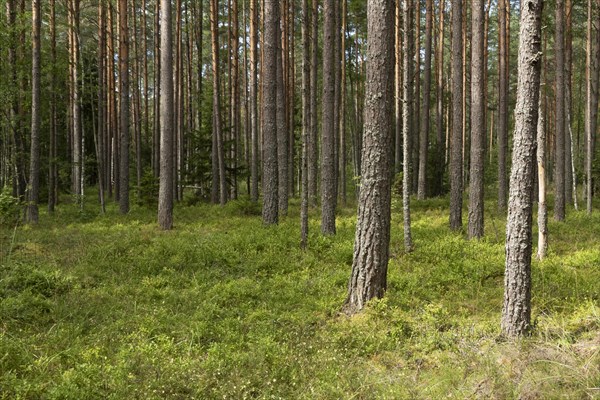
(110, 307)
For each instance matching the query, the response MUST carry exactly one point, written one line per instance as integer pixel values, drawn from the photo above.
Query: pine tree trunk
(124, 107)
(306, 94)
(424, 140)
(328, 166)
(406, 131)
(34, 160)
(541, 168)
(502, 130)
(559, 160)
(456, 167)
(371, 246)
(101, 102)
(271, 46)
(165, 196)
(440, 145)
(313, 150)
(478, 125)
(52, 173)
(253, 99)
(282, 132)
(516, 313)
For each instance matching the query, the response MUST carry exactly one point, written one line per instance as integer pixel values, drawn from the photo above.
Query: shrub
(10, 209)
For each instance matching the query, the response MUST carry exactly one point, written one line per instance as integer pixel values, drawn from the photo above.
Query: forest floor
(110, 307)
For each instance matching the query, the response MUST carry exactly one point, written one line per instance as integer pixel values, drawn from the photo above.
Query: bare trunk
(253, 99)
(541, 168)
(124, 105)
(424, 140)
(313, 150)
(306, 94)
(502, 130)
(406, 131)
(456, 167)
(559, 160)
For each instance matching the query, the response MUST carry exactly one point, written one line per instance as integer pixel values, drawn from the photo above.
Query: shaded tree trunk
(165, 195)
(440, 145)
(313, 149)
(271, 45)
(52, 153)
(516, 313)
(253, 99)
(502, 130)
(306, 123)
(424, 140)
(559, 158)
(371, 245)
(406, 128)
(478, 125)
(282, 132)
(124, 105)
(328, 166)
(456, 167)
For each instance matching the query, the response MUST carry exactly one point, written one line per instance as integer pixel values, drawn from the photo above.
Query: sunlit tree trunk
(456, 166)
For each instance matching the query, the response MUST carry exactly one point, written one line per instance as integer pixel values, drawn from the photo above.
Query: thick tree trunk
(516, 313)
(477, 122)
(371, 245)
(424, 139)
(165, 196)
(456, 166)
(271, 45)
(559, 159)
(328, 167)
(34, 160)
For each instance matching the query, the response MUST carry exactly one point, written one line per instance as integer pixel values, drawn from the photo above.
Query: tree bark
(328, 166)
(424, 140)
(440, 145)
(52, 171)
(559, 160)
(306, 123)
(34, 160)
(516, 313)
(541, 168)
(313, 149)
(406, 128)
(476, 188)
(165, 196)
(456, 167)
(253, 99)
(282, 132)
(502, 130)
(271, 47)
(371, 245)
(124, 105)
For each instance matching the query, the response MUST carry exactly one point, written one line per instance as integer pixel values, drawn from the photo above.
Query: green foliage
(148, 190)
(223, 307)
(10, 208)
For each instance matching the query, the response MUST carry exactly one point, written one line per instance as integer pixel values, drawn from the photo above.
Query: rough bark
(269, 82)
(124, 105)
(456, 167)
(282, 132)
(541, 168)
(313, 149)
(516, 313)
(406, 131)
(502, 131)
(34, 160)
(253, 99)
(371, 246)
(306, 94)
(328, 166)
(424, 139)
(559, 135)
(476, 223)
(165, 196)
(52, 170)
(440, 143)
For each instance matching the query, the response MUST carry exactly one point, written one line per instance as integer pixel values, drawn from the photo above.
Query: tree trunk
(99, 141)
(406, 128)
(156, 137)
(253, 99)
(328, 166)
(541, 168)
(282, 132)
(271, 47)
(399, 88)
(456, 167)
(313, 150)
(569, 171)
(34, 160)
(218, 152)
(343, 152)
(52, 171)
(371, 245)
(478, 125)
(516, 313)
(424, 140)
(306, 94)
(559, 160)
(165, 196)
(502, 130)
(416, 97)
(124, 105)
(440, 145)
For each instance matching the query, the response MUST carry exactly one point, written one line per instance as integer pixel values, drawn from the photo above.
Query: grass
(109, 307)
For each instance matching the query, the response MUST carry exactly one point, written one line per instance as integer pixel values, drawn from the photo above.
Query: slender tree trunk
(218, 150)
(156, 150)
(282, 132)
(424, 140)
(568, 49)
(371, 246)
(306, 94)
(343, 146)
(516, 313)
(541, 168)
(165, 195)
(416, 97)
(328, 166)
(502, 130)
(456, 175)
(52, 173)
(440, 156)
(101, 102)
(34, 160)
(124, 105)
(478, 125)
(406, 131)
(399, 87)
(235, 96)
(591, 101)
(253, 99)
(271, 47)
(313, 150)
(559, 161)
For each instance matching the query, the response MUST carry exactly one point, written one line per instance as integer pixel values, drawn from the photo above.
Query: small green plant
(148, 190)
(10, 209)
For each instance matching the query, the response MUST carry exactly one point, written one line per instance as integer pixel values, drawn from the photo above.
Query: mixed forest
(299, 199)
